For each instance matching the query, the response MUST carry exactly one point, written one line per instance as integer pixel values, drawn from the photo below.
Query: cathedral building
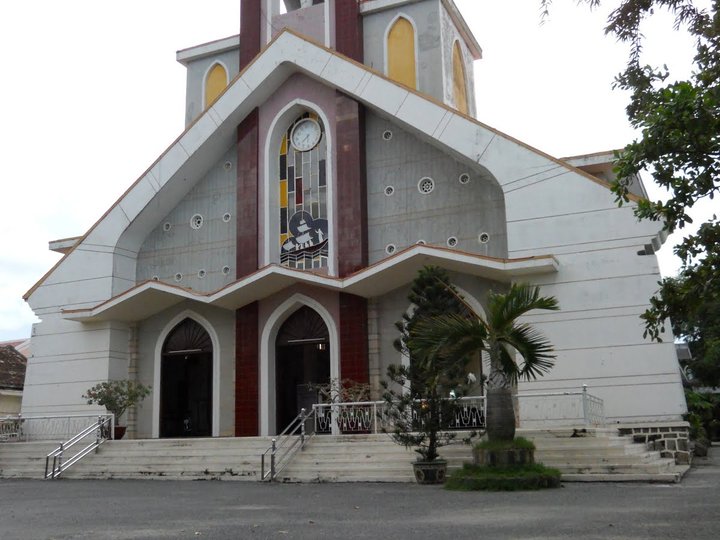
(331, 151)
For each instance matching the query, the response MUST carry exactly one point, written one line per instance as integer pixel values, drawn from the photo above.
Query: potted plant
(117, 397)
(422, 397)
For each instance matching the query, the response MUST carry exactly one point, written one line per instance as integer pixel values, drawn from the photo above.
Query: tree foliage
(679, 122)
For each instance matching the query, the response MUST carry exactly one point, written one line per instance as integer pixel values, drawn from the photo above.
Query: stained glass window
(303, 239)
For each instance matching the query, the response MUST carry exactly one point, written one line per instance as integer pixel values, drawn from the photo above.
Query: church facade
(331, 151)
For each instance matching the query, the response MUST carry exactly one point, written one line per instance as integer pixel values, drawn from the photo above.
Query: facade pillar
(250, 25)
(247, 371)
(354, 338)
(349, 29)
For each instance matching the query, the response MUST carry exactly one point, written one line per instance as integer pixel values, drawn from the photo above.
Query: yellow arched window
(459, 81)
(215, 83)
(401, 53)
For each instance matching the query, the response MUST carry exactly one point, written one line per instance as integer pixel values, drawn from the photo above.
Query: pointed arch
(401, 51)
(459, 80)
(157, 363)
(216, 79)
(267, 352)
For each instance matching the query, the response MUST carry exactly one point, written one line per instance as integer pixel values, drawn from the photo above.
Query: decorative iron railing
(43, 428)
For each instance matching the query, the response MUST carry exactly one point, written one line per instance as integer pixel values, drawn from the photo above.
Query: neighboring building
(331, 151)
(12, 376)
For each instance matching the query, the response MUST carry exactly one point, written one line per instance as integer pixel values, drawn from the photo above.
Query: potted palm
(117, 397)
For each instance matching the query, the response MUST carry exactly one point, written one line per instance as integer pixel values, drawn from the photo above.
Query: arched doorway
(186, 382)
(302, 358)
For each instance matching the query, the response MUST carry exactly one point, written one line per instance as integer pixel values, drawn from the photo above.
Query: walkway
(155, 509)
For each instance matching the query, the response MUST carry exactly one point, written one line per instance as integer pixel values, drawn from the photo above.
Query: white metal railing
(538, 409)
(43, 428)
(535, 409)
(285, 446)
(97, 433)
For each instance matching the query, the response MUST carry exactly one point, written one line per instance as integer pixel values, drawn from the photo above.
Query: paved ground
(170, 509)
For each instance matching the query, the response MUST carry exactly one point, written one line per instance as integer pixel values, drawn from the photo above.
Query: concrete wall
(183, 250)
(195, 82)
(450, 34)
(220, 324)
(425, 17)
(452, 209)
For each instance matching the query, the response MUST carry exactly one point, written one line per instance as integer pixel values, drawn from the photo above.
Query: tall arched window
(459, 80)
(215, 83)
(303, 194)
(401, 53)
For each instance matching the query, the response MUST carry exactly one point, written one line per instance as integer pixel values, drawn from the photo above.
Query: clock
(305, 135)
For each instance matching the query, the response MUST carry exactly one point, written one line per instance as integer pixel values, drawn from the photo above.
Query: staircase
(597, 455)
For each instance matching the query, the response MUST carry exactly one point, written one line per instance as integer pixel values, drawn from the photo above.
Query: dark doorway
(186, 382)
(302, 358)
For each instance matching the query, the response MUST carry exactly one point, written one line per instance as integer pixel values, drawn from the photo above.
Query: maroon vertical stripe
(353, 338)
(246, 371)
(247, 196)
(349, 29)
(250, 24)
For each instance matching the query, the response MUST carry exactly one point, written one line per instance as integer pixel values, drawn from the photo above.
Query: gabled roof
(213, 131)
(12, 368)
(152, 297)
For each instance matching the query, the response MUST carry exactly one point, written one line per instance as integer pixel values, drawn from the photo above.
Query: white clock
(305, 135)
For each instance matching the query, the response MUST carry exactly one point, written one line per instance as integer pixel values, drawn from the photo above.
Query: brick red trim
(353, 338)
(349, 29)
(246, 259)
(351, 186)
(247, 365)
(250, 24)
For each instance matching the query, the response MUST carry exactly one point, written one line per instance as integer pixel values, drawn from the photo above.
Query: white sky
(93, 95)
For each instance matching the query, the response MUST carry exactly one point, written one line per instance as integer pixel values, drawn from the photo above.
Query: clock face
(305, 135)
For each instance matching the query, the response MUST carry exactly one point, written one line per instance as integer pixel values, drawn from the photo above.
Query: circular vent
(390, 249)
(202, 274)
(167, 226)
(196, 221)
(464, 178)
(226, 217)
(484, 238)
(426, 185)
(228, 165)
(225, 270)
(389, 190)
(452, 241)
(387, 135)
(156, 278)
(178, 277)
(421, 242)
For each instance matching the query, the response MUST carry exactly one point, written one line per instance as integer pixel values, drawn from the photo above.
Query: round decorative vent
(167, 226)
(228, 165)
(389, 190)
(464, 178)
(421, 242)
(196, 221)
(484, 238)
(452, 241)
(202, 274)
(426, 185)
(178, 277)
(226, 217)
(387, 135)
(155, 278)
(225, 270)
(390, 249)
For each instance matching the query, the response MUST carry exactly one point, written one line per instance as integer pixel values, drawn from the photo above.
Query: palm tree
(501, 335)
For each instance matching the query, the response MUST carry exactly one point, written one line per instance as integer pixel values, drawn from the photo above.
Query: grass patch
(516, 478)
(518, 442)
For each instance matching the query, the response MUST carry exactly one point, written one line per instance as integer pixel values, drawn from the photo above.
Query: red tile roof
(12, 368)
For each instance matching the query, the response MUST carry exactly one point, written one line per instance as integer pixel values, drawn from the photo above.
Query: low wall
(671, 439)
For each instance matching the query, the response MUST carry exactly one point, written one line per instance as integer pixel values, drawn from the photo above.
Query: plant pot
(119, 432)
(430, 472)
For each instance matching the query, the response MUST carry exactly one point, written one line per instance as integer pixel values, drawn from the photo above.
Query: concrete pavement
(153, 509)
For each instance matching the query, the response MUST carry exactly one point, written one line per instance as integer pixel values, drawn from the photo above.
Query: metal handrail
(103, 430)
(292, 439)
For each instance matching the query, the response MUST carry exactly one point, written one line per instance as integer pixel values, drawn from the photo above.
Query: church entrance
(186, 382)
(302, 361)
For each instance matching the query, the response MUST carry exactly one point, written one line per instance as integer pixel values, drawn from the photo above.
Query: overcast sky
(93, 94)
